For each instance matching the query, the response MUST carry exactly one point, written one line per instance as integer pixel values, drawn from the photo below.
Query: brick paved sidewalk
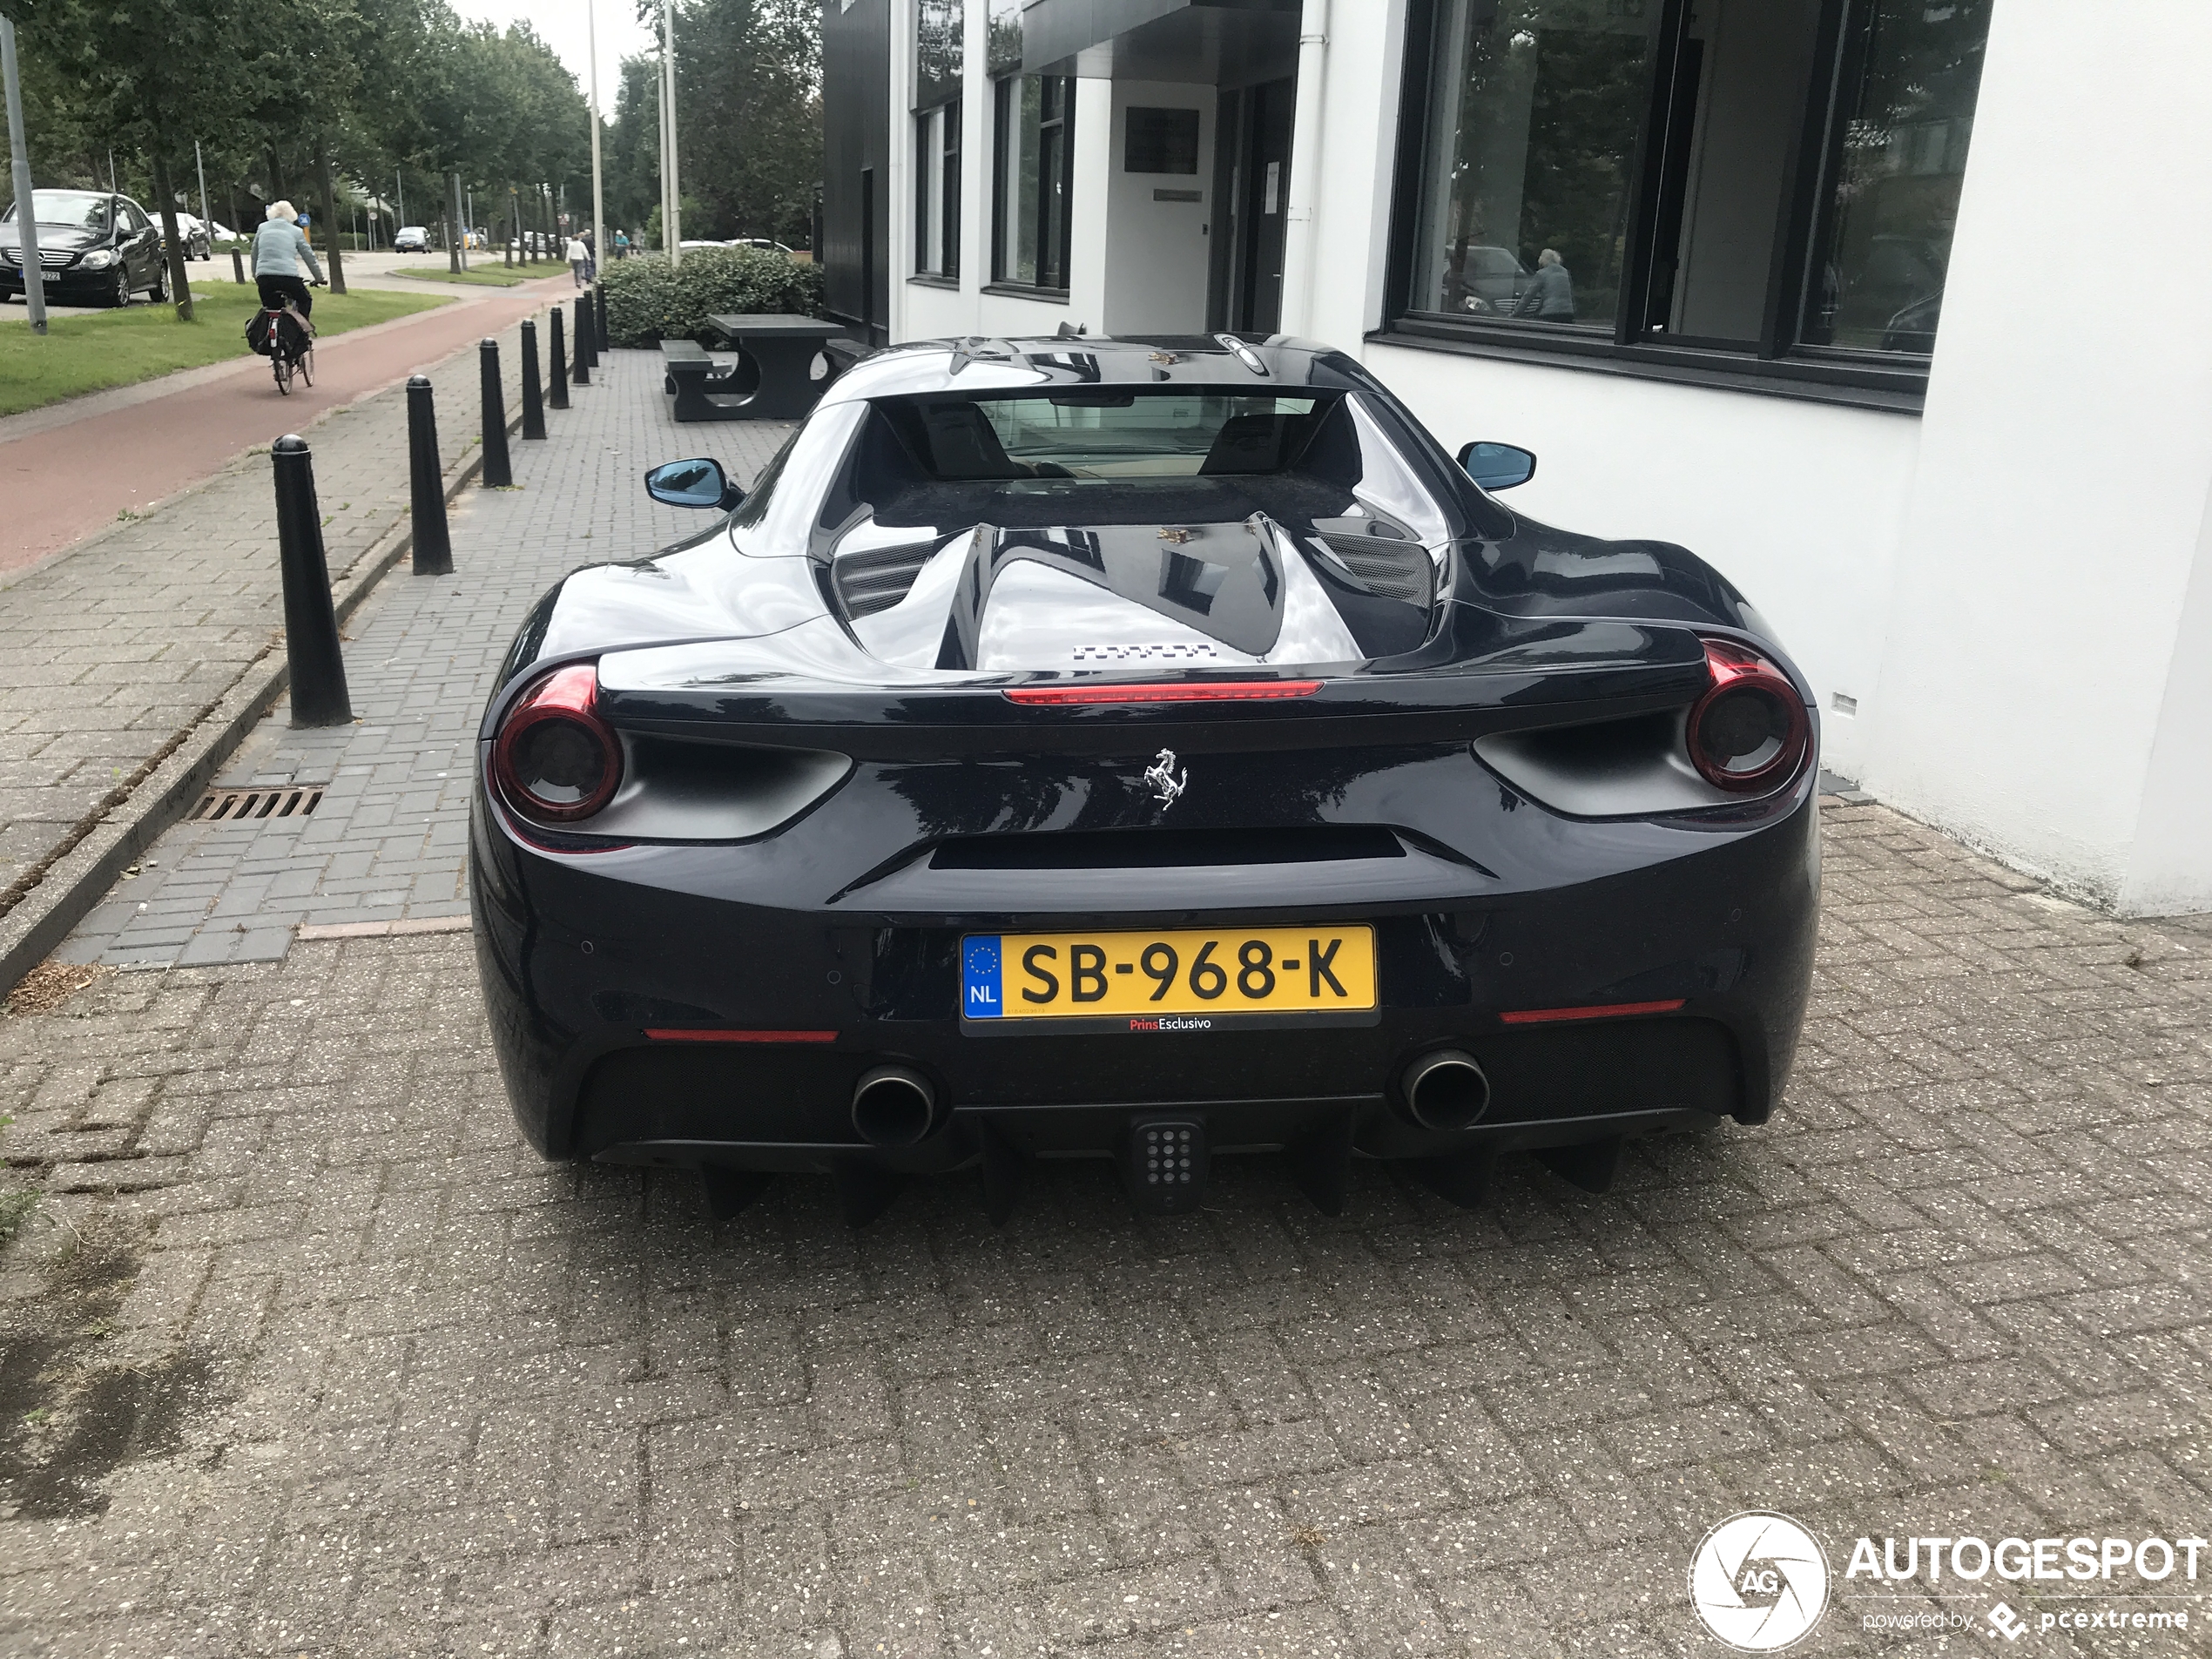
(387, 841)
(111, 654)
(304, 1352)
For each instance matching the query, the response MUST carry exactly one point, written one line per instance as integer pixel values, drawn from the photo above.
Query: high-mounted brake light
(1187, 691)
(556, 761)
(1749, 731)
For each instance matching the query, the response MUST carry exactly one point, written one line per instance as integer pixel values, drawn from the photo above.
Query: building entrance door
(1256, 185)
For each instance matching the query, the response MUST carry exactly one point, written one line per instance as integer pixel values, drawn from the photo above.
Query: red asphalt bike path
(65, 482)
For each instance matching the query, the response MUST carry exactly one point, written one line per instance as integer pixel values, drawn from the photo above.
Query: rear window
(1107, 435)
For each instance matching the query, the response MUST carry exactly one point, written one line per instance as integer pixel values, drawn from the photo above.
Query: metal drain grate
(232, 805)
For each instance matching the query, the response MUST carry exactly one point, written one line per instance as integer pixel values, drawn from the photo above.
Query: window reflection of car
(96, 248)
(1894, 275)
(1484, 280)
(1913, 328)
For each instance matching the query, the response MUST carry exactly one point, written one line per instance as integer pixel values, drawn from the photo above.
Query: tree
(749, 119)
(148, 70)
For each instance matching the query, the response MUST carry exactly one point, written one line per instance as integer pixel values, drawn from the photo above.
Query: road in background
(71, 468)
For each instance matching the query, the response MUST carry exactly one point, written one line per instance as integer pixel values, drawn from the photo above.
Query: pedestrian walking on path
(579, 261)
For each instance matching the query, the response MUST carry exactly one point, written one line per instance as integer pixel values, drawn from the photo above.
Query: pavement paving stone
(387, 839)
(295, 1292)
(428, 1394)
(109, 650)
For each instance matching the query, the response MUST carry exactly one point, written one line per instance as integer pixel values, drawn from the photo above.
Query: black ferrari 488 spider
(1150, 749)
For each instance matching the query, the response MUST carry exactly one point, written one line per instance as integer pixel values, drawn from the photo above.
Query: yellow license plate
(1198, 980)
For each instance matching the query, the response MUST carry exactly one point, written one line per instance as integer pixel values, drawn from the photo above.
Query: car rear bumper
(583, 959)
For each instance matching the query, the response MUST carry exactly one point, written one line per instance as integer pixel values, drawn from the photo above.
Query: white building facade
(1889, 308)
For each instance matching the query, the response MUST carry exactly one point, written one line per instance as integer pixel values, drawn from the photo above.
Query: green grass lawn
(495, 277)
(83, 354)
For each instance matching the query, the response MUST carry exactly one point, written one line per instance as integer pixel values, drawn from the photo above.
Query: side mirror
(693, 483)
(1497, 466)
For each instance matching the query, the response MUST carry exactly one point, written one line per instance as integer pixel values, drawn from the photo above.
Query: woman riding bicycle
(280, 249)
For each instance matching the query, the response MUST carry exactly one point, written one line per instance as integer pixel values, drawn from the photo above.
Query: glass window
(1909, 74)
(940, 30)
(937, 191)
(1624, 175)
(1002, 50)
(1532, 143)
(1107, 434)
(1035, 119)
(1160, 140)
(78, 209)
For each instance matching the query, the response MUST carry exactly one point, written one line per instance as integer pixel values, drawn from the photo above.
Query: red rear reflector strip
(687, 1035)
(1598, 1011)
(1193, 691)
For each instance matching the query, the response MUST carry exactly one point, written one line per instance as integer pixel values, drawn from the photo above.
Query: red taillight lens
(1749, 731)
(556, 759)
(1175, 691)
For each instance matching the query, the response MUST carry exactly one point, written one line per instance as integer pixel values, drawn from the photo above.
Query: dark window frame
(1778, 363)
(1005, 111)
(937, 173)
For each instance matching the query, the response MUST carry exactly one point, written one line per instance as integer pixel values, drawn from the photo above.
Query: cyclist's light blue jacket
(278, 249)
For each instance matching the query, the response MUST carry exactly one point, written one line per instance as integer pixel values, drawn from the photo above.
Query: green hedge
(647, 303)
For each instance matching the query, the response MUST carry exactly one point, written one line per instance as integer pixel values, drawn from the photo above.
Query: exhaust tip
(1445, 1090)
(893, 1106)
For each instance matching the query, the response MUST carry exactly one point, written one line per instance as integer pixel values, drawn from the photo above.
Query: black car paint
(139, 260)
(842, 920)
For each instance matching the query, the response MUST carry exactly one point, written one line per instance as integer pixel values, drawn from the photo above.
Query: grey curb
(81, 877)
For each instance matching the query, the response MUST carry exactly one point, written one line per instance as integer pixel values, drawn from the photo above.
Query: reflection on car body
(1183, 701)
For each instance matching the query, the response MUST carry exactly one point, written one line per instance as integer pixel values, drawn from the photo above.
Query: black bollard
(310, 625)
(426, 483)
(237, 266)
(497, 474)
(556, 380)
(580, 364)
(532, 394)
(605, 344)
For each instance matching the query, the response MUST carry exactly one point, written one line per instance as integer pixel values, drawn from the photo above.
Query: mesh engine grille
(879, 578)
(1392, 569)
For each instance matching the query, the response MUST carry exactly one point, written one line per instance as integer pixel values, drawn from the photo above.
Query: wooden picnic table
(784, 347)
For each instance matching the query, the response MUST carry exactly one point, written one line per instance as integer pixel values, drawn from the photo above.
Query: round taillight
(556, 759)
(1749, 731)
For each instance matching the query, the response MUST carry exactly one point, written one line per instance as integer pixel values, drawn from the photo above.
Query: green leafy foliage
(648, 302)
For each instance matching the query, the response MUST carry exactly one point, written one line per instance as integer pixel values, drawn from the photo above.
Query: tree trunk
(330, 213)
(172, 244)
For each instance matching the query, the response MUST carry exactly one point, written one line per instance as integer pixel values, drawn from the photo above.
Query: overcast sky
(561, 24)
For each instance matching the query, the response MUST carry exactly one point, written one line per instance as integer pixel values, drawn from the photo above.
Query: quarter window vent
(879, 578)
(230, 805)
(1386, 568)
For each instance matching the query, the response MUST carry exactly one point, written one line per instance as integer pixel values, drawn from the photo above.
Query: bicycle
(286, 366)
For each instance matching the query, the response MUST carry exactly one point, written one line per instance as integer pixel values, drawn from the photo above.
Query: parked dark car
(1140, 749)
(96, 248)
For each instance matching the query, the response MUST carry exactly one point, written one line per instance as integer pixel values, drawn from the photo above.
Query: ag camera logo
(1759, 1582)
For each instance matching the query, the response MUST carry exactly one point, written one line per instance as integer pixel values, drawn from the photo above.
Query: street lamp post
(34, 284)
(598, 190)
(671, 218)
(199, 165)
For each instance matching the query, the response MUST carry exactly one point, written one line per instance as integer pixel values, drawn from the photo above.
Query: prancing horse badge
(1161, 779)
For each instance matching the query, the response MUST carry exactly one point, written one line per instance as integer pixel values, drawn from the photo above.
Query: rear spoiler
(778, 692)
